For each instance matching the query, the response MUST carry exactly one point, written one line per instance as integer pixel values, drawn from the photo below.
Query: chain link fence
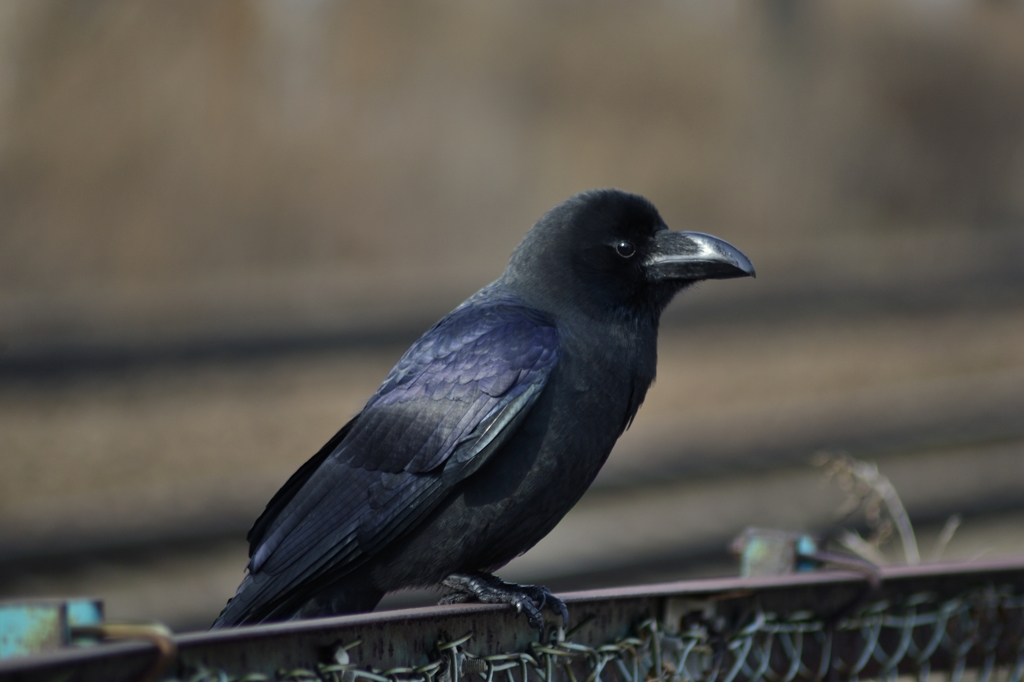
(981, 632)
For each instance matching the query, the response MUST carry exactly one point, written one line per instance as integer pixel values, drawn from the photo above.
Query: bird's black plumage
(491, 426)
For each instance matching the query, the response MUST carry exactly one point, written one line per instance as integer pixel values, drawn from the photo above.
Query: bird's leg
(490, 589)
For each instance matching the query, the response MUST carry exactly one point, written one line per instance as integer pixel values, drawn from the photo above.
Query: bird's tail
(352, 594)
(238, 610)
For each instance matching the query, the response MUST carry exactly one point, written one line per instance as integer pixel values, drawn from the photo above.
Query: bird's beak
(693, 256)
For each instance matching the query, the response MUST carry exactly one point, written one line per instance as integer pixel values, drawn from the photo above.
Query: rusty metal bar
(409, 638)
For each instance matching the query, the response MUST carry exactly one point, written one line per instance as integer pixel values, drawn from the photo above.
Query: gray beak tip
(695, 256)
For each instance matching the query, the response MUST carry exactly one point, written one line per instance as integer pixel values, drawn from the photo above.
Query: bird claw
(489, 589)
(542, 596)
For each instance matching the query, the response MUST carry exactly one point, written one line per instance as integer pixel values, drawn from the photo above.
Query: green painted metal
(32, 627)
(83, 612)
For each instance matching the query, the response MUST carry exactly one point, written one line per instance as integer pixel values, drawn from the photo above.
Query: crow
(490, 427)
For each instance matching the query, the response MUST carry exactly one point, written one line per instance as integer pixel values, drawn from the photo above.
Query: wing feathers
(446, 407)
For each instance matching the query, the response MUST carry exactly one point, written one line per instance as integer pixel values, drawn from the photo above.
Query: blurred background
(222, 222)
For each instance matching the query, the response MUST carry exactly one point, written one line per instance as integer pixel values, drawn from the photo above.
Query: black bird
(490, 427)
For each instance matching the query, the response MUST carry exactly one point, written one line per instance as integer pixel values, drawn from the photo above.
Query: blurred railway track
(154, 472)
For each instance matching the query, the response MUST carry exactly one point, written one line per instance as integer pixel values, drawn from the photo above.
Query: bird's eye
(625, 249)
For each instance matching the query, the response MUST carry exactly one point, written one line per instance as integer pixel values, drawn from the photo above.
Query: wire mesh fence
(979, 631)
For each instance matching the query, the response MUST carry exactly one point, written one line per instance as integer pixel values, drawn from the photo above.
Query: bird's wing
(449, 403)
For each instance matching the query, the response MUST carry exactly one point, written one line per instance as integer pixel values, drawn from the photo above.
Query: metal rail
(822, 625)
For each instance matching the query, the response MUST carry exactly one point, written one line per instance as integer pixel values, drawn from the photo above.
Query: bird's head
(606, 250)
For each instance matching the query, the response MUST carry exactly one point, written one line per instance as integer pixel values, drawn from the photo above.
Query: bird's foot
(490, 589)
